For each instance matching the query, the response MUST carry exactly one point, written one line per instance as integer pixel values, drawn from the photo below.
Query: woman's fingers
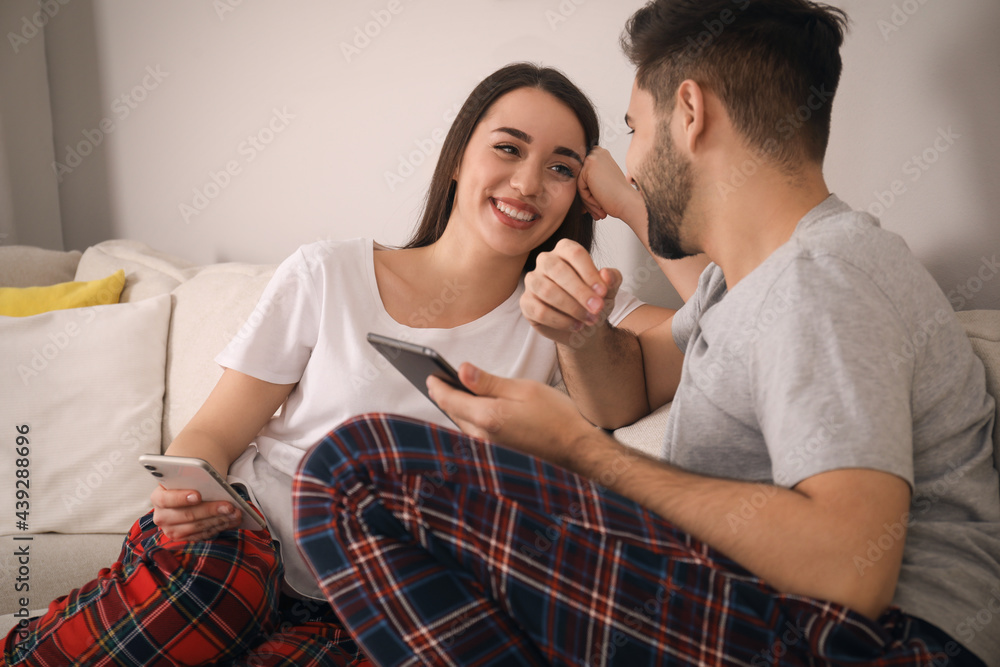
(182, 515)
(567, 292)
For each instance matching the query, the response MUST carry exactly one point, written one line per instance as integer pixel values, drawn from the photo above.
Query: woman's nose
(527, 179)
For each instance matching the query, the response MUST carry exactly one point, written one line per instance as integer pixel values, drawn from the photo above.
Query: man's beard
(667, 193)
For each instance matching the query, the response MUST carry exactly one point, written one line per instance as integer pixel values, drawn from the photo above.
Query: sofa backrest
(983, 329)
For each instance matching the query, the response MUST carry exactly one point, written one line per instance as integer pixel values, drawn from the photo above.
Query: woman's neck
(446, 284)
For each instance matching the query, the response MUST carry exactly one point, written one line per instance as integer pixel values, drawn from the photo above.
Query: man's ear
(691, 112)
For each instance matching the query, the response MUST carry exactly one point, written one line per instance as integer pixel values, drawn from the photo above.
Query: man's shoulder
(846, 254)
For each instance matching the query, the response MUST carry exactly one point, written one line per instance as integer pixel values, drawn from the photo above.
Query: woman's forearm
(193, 443)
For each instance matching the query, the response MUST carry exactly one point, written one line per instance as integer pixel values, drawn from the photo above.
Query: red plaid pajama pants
(441, 549)
(214, 602)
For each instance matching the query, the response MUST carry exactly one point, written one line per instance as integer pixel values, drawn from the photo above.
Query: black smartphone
(416, 362)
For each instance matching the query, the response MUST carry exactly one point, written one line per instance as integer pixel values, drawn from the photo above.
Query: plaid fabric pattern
(442, 549)
(309, 634)
(183, 603)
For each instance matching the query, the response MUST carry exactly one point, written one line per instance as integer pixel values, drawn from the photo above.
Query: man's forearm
(787, 538)
(604, 375)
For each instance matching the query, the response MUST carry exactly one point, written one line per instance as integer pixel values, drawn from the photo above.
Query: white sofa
(208, 305)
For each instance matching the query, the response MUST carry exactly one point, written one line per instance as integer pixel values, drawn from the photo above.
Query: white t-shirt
(310, 328)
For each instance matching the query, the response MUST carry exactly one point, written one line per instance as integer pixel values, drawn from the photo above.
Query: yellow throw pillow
(25, 301)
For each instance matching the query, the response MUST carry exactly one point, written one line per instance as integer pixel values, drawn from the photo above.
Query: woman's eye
(564, 170)
(507, 148)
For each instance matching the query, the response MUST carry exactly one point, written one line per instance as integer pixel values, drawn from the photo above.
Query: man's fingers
(479, 411)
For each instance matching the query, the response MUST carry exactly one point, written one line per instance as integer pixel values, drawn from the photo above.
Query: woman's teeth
(513, 212)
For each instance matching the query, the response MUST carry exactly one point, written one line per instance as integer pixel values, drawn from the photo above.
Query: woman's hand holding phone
(182, 515)
(193, 501)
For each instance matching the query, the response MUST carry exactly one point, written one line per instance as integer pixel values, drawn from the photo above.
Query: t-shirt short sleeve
(625, 303)
(685, 319)
(275, 342)
(826, 397)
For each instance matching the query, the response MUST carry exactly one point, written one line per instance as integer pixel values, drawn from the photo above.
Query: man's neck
(745, 227)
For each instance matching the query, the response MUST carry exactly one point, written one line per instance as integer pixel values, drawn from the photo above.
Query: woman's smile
(514, 213)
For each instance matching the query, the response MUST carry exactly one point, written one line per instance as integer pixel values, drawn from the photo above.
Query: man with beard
(820, 467)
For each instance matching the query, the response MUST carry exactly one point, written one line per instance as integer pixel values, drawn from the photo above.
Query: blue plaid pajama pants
(437, 548)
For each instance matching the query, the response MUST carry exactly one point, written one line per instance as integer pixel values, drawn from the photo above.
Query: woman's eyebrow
(527, 138)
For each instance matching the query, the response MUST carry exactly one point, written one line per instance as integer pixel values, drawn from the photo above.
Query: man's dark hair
(774, 64)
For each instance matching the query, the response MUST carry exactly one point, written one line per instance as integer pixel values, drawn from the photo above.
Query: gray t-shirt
(840, 351)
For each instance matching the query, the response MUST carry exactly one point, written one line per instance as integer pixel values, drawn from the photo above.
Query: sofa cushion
(25, 301)
(57, 564)
(209, 310)
(147, 272)
(81, 399)
(25, 266)
(646, 434)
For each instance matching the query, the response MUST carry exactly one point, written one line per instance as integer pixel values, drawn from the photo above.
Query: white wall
(29, 198)
(183, 85)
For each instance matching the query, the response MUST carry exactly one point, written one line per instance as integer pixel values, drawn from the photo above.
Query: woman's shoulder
(326, 253)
